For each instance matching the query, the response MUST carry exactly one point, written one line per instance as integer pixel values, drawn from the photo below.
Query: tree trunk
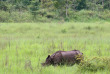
(109, 5)
(66, 8)
(102, 2)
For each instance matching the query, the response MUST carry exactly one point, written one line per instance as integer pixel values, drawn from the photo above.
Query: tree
(4, 5)
(82, 4)
(62, 6)
(107, 4)
(34, 7)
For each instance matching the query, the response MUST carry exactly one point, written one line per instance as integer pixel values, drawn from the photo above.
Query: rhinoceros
(64, 57)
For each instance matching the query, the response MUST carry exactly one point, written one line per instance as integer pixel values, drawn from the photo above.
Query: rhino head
(48, 61)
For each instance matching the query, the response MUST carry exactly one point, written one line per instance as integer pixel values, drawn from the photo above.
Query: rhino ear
(48, 56)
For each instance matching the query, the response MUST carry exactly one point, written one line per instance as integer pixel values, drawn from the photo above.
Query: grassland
(24, 46)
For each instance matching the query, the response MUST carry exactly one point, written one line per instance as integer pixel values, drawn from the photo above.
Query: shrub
(44, 15)
(4, 16)
(95, 64)
(88, 27)
(63, 30)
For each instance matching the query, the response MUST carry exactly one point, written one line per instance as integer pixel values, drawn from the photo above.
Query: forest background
(54, 10)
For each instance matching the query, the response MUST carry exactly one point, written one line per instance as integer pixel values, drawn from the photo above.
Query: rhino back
(68, 54)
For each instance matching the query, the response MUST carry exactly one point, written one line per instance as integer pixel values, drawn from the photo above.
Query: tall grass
(24, 46)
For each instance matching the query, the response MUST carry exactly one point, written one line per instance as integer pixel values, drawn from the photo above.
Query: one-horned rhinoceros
(64, 57)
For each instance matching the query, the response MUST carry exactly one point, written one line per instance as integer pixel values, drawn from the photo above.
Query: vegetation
(24, 46)
(54, 10)
(69, 24)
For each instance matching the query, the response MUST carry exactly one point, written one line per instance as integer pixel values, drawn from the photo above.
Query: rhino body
(64, 57)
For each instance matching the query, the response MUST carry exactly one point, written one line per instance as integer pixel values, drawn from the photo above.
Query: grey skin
(64, 57)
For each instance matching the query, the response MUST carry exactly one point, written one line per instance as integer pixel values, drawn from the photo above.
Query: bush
(21, 17)
(63, 30)
(4, 16)
(44, 15)
(104, 15)
(95, 64)
(85, 15)
(15, 16)
(88, 27)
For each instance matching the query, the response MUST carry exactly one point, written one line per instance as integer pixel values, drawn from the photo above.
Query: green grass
(24, 46)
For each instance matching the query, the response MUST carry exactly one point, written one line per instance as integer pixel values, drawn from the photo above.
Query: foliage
(94, 64)
(56, 9)
(45, 15)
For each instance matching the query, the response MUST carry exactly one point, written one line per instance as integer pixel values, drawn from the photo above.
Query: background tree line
(40, 10)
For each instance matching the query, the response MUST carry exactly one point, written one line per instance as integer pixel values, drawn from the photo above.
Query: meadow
(24, 46)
